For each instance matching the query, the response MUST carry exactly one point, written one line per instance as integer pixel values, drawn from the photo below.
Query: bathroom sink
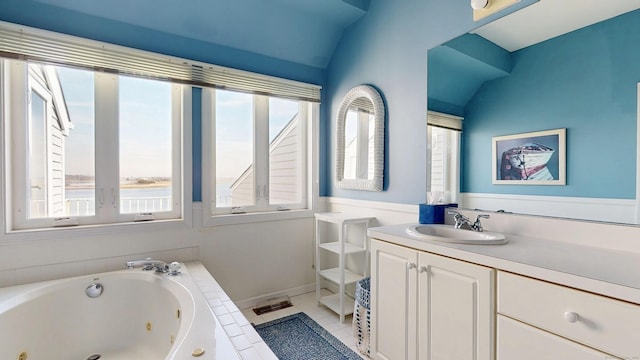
(448, 233)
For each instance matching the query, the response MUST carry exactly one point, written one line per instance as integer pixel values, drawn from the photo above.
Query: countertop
(611, 273)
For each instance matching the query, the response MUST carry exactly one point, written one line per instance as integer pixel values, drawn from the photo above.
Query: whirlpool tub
(127, 314)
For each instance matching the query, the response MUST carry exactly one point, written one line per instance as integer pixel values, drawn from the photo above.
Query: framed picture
(535, 158)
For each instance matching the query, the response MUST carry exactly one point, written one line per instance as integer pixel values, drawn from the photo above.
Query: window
(359, 155)
(147, 146)
(443, 154)
(234, 180)
(287, 148)
(107, 146)
(99, 148)
(256, 153)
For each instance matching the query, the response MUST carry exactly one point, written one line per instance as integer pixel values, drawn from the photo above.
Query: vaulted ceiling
(301, 31)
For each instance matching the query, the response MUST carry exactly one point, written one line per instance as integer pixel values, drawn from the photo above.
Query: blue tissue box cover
(433, 214)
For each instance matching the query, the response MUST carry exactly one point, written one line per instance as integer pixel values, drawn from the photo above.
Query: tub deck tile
(233, 330)
(251, 333)
(245, 339)
(240, 319)
(226, 319)
(250, 354)
(241, 342)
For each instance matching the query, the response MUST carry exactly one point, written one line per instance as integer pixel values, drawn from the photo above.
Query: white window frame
(35, 86)
(262, 210)
(15, 78)
(451, 166)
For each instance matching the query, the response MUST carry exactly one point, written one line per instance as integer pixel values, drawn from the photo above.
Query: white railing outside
(87, 206)
(143, 205)
(80, 207)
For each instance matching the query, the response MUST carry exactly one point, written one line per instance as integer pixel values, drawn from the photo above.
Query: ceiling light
(479, 4)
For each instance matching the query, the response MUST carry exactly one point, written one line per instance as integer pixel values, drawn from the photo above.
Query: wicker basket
(362, 316)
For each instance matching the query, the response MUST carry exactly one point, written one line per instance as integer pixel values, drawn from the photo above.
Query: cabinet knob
(411, 266)
(422, 269)
(571, 317)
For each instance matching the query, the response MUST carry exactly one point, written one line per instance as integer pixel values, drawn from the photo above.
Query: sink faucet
(461, 220)
(149, 264)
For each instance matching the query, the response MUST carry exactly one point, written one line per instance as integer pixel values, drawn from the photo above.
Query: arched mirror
(360, 140)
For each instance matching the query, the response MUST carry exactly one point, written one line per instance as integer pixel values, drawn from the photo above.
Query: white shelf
(333, 303)
(349, 239)
(335, 247)
(333, 275)
(340, 218)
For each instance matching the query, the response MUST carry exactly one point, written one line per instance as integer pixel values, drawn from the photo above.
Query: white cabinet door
(455, 309)
(393, 301)
(429, 307)
(519, 341)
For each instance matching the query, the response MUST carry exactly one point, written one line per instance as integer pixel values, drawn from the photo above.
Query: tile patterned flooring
(323, 316)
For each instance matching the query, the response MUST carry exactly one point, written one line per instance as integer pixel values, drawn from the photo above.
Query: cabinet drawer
(605, 324)
(520, 341)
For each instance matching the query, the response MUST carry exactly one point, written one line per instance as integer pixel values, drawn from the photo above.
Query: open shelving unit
(343, 246)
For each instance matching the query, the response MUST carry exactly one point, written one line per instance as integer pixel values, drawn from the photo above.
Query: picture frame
(534, 158)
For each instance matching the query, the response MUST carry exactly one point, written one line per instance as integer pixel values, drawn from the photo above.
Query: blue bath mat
(298, 337)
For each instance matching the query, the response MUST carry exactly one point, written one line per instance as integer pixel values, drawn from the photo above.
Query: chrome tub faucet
(157, 265)
(148, 264)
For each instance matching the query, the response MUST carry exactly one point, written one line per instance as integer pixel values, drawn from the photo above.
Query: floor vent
(274, 304)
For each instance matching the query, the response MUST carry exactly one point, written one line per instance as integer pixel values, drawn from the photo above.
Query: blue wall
(387, 48)
(585, 81)
(459, 67)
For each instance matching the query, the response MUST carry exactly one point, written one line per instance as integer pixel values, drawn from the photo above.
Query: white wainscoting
(553, 226)
(609, 210)
(46, 255)
(384, 213)
(258, 261)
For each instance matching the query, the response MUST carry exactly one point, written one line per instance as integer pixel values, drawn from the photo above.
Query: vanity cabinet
(540, 320)
(427, 306)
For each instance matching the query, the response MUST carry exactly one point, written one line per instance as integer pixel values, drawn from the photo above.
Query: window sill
(235, 219)
(89, 230)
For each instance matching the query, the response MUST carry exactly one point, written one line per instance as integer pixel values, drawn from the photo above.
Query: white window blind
(444, 120)
(25, 43)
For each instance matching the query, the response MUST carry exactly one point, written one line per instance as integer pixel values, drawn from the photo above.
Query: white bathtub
(139, 315)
